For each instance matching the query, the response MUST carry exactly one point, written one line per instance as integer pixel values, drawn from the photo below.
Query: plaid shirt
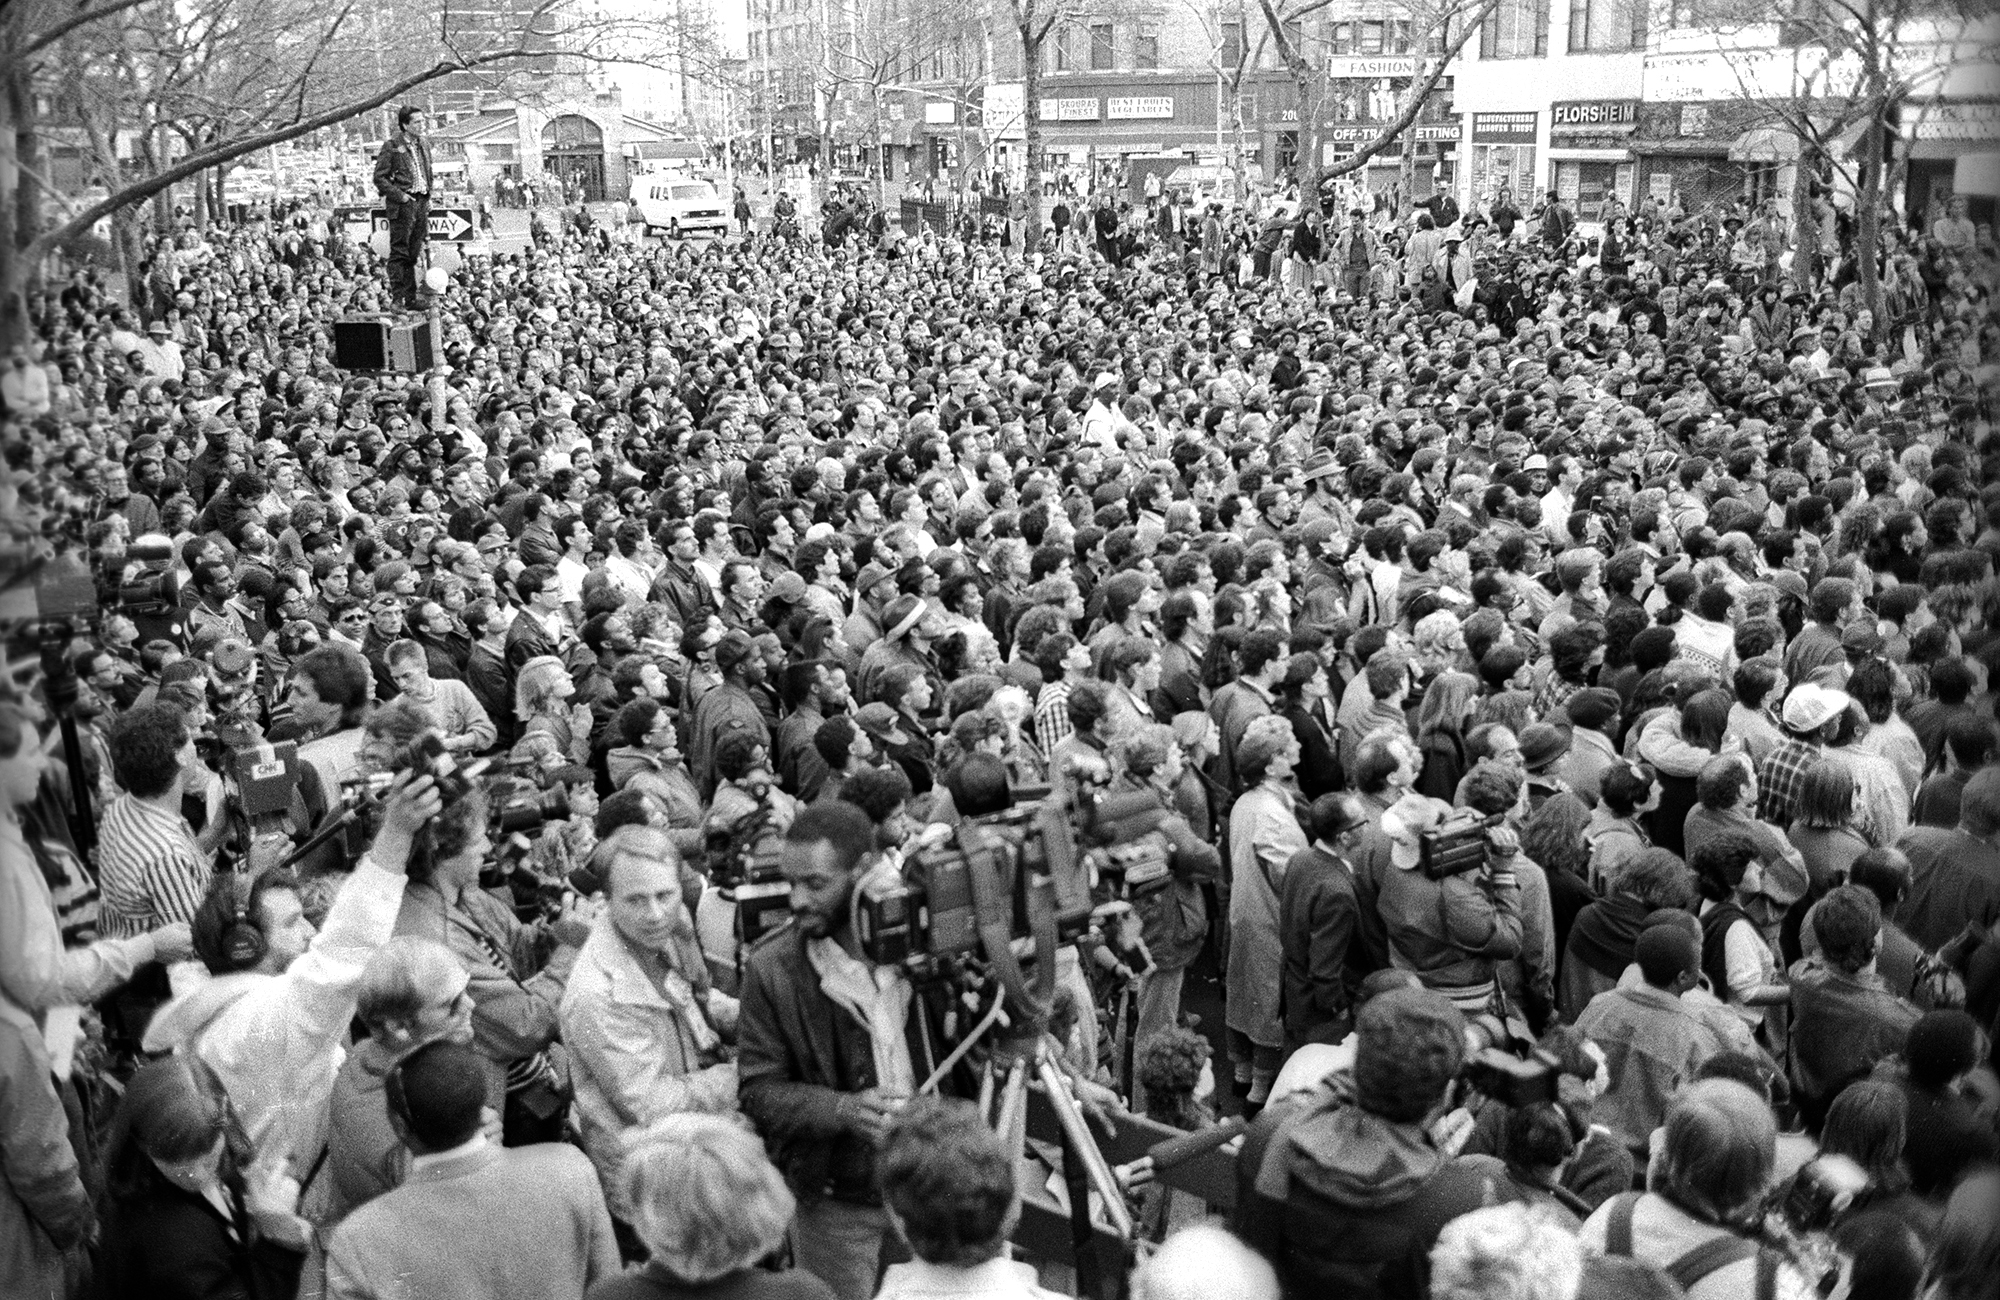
(1052, 722)
(1779, 779)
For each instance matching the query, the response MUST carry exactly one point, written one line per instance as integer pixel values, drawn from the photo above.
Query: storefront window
(1589, 187)
(1503, 166)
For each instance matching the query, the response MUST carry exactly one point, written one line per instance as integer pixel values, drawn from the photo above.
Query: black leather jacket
(396, 172)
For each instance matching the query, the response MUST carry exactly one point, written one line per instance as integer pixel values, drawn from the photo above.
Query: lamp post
(437, 280)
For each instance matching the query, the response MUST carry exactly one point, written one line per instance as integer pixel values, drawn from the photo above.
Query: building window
(1146, 50)
(1600, 26)
(1060, 58)
(1342, 40)
(1100, 48)
(1516, 29)
(1232, 44)
(1371, 37)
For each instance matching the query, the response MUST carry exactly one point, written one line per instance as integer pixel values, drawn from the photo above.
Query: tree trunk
(1406, 172)
(1312, 143)
(19, 203)
(881, 145)
(1868, 218)
(1031, 118)
(1805, 225)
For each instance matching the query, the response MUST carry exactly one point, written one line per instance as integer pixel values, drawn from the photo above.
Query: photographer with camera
(831, 1047)
(273, 1021)
(1345, 1187)
(517, 970)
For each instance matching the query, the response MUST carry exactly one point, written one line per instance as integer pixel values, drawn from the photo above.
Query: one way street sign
(448, 225)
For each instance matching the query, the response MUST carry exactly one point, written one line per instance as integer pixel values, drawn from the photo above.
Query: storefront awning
(1692, 148)
(1977, 173)
(1561, 154)
(1764, 144)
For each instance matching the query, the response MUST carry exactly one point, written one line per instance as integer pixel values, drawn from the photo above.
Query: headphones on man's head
(243, 943)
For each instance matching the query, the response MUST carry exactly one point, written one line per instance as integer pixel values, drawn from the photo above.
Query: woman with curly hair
(1553, 839)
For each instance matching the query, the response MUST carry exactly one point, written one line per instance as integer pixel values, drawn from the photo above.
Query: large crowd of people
(1556, 674)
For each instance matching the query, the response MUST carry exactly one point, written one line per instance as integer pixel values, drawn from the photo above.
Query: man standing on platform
(403, 178)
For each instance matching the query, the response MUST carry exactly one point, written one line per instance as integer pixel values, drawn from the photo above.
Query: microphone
(1180, 1150)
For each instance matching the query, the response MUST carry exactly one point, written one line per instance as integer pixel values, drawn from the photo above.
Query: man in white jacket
(272, 1022)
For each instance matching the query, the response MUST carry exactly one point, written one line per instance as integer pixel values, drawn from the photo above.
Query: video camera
(1513, 1079)
(743, 861)
(1001, 873)
(516, 805)
(151, 595)
(1029, 873)
(1457, 844)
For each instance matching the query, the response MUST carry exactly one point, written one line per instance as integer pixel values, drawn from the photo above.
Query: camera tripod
(1018, 1059)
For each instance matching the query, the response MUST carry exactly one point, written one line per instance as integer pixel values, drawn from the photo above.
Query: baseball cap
(871, 573)
(879, 721)
(789, 588)
(1811, 706)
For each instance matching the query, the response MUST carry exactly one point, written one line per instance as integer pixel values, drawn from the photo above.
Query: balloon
(436, 279)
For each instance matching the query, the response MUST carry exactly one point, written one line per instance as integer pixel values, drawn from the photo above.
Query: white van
(679, 205)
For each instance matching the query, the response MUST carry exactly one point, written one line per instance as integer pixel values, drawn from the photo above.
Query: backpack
(1711, 1256)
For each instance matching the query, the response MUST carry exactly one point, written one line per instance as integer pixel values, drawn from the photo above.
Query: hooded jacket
(1346, 1203)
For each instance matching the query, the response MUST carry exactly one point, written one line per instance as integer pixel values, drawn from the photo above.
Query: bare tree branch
(28, 49)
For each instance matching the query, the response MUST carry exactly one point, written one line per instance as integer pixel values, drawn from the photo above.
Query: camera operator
(517, 971)
(273, 1021)
(1344, 1188)
(330, 691)
(830, 1048)
(1451, 931)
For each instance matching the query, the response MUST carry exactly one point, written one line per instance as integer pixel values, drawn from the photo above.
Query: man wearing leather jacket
(403, 178)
